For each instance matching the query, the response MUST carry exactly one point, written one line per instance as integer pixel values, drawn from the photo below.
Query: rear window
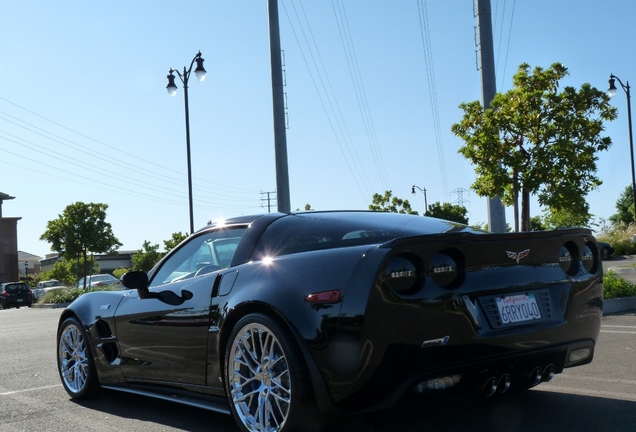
(306, 232)
(16, 288)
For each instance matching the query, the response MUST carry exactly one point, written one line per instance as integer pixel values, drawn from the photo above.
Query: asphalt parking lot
(599, 396)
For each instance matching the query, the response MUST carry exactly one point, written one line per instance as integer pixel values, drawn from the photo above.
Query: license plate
(19, 300)
(518, 308)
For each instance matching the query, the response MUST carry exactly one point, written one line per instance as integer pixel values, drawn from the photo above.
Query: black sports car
(277, 318)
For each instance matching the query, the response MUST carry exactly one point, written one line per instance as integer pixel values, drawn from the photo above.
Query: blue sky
(85, 116)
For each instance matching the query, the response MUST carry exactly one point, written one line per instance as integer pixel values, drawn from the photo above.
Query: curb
(50, 305)
(619, 305)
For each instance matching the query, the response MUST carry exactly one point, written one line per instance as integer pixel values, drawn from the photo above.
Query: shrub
(68, 295)
(616, 287)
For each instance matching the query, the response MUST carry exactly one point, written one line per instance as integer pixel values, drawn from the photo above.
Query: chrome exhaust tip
(490, 386)
(535, 376)
(504, 383)
(548, 373)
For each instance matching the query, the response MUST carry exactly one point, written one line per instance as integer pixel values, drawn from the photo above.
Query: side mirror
(135, 280)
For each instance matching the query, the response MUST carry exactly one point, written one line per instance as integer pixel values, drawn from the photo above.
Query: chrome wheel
(74, 360)
(259, 378)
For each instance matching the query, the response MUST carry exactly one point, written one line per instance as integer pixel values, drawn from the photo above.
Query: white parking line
(28, 390)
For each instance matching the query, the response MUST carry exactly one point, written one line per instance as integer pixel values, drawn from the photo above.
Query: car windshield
(102, 278)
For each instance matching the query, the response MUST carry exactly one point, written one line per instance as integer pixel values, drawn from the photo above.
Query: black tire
(273, 380)
(605, 254)
(75, 362)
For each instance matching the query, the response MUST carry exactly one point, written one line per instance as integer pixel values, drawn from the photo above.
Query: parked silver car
(98, 280)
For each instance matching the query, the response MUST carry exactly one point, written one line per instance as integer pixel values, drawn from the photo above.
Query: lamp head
(611, 91)
(200, 70)
(412, 189)
(171, 87)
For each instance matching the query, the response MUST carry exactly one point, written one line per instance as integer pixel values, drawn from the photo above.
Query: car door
(164, 337)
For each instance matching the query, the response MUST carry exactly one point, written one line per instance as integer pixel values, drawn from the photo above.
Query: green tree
(389, 203)
(118, 273)
(69, 271)
(536, 224)
(565, 218)
(448, 211)
(80, 229)
(537, 140)
(176, 238)
(146, 257)
(624, 208)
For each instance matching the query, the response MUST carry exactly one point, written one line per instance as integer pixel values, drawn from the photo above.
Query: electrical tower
(460, 196)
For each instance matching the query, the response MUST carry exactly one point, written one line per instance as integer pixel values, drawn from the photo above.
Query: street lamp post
(423, 190)
(172, 90)
(611, 91)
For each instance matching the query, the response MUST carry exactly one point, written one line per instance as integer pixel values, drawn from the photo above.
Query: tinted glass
(204, 253)
(16, 288)
(299, 233)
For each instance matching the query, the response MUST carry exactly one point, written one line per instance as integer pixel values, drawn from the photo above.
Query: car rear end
(490, 311)
(15, 294)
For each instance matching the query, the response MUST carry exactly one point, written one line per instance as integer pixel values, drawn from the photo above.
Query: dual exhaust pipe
(502, 383)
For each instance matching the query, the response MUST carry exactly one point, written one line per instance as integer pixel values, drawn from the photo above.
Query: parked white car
(46, 286)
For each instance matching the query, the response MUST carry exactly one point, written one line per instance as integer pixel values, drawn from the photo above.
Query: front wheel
(75, 360)
(265, 378)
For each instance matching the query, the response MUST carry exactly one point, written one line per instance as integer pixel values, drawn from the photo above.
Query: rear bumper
(394, 379)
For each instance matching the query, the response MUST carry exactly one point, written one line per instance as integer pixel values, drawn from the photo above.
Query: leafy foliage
(69, 271)
(176, 238)
(389, 203)
(118, 273)
(80, 229)
(616, 287)
(146, 257)
(624, 207)
(536, 224)
(565, 218)
(448, 211)
(68, 295)
(536, 140)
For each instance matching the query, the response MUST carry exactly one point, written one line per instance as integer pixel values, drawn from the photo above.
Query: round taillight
(401, 274)
(568, 259)
(588, 257)
(445, 270)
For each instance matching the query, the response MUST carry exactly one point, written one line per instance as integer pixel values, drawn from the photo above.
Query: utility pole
(268, 199)
(278, 97)
(496, 210)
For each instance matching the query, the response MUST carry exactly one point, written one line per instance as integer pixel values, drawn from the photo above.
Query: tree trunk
(515, 197)
(85, 268)
(525, 210)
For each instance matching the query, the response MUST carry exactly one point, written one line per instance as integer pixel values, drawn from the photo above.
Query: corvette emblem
(517, 256)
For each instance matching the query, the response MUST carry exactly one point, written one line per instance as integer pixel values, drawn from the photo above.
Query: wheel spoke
(259, 379)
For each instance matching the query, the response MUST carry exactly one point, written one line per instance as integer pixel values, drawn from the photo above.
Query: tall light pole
(172, 90)
(611, 91)
(423, 190)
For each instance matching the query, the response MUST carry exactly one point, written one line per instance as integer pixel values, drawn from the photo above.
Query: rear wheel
(265, 378)
(605, 254)
(75, 360)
